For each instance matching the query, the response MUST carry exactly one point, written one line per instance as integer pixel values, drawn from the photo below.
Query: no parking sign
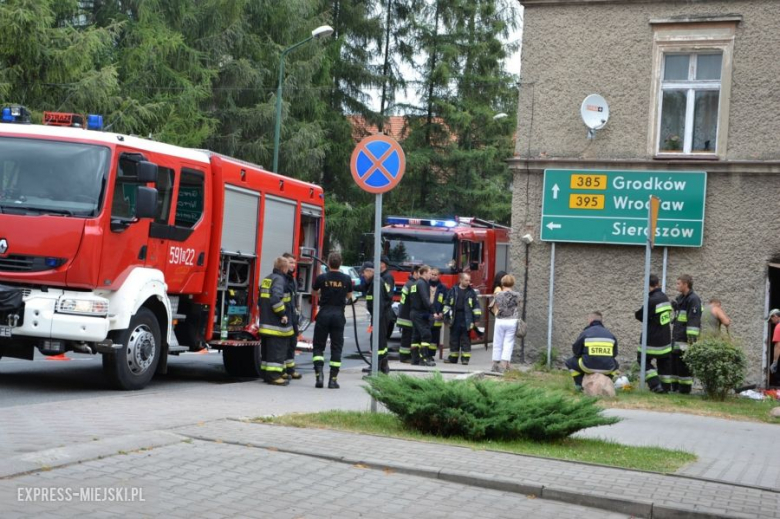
(378, 164)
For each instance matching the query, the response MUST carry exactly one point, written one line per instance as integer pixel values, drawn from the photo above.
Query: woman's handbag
(521, 329)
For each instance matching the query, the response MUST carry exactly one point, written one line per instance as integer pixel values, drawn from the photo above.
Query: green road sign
(611, 206)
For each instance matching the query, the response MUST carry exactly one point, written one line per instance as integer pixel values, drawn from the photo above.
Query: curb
(79, 453)
(633, 507)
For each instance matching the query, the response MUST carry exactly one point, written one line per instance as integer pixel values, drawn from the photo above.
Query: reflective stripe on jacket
(273, 307)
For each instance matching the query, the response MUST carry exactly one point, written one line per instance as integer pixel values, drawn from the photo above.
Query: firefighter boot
(332, 382)
(319, 380)
(292, 374)
(452, 358)
(278, 381)
(384, 366)
(415, 355)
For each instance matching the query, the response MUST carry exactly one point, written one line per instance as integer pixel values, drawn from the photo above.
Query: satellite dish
(595, 113)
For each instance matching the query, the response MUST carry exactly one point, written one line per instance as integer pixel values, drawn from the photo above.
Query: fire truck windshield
(409, 250)
(51, 177)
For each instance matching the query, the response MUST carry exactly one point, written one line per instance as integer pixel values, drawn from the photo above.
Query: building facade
(691, 86)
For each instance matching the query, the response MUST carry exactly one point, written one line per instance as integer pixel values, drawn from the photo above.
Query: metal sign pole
(550, 309)
(377, 316)
(666, 261)
(652, 221)
(645, 297)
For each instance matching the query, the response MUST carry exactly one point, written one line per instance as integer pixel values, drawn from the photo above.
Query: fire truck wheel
(242, 361)
(133, 365)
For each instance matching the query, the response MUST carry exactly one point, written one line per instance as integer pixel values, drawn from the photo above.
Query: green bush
(718, 363)
(484, 410)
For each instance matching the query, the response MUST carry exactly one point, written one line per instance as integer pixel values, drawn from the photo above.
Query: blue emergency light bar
(427, 222)
(15, 114)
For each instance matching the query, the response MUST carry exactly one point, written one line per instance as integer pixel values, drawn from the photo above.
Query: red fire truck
(471, 245)
(136, 249)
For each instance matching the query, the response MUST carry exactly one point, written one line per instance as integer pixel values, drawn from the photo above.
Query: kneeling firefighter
(595, 351)
(275, 326)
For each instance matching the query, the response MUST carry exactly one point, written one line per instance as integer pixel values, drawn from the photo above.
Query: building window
(692, 60)
(690, 101)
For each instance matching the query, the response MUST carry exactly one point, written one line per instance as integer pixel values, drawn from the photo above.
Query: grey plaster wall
(570, 51)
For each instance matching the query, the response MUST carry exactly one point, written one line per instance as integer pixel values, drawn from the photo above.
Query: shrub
(718, 363)
(484, 410)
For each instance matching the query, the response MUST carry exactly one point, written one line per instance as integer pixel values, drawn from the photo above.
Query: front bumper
(42, 320)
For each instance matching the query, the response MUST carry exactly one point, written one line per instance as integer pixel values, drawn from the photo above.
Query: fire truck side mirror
(146, 202)
(147, 172)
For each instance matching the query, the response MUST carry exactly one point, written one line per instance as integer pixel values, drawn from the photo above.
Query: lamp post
(528, 240)
(320, 32)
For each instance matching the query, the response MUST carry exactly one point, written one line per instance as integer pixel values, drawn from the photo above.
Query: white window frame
(701, 36)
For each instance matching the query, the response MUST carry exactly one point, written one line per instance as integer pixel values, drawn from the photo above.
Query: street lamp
(499, 116)
(318, 33)
(528, 240)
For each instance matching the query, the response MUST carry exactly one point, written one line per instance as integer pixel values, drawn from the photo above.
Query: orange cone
(61, 356)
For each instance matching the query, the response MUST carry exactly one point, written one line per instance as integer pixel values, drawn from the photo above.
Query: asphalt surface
(24, 382)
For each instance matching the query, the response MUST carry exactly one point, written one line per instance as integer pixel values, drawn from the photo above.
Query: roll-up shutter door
(239, 223)
(278, 231)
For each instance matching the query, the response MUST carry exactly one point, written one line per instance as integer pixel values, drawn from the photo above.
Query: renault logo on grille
(3, 245)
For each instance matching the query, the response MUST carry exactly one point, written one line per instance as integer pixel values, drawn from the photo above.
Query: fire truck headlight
(97, 306)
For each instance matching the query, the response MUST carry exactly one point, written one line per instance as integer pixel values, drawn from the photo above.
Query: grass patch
(572, 449)
(732, 408)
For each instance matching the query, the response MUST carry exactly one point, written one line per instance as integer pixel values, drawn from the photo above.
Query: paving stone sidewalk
(211, 481)
(655, 495)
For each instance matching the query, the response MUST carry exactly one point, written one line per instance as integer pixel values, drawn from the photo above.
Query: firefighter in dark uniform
(595, 351)
(378, 323)
(404, 320)
(387, 278)
(421, 313)
(687, 327)
(275, 326)
(293, 315)
(659, 339)
(462, 311)
(438, 295)
(334, 289)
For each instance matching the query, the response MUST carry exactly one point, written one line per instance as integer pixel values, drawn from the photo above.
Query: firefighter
(438, 293)
(334, 289)
(293, 313)
(421, 313)
(659, 339)
(595, 351)
(378, 323)
(275, 325)
(387, 278)
(687, 327)
(404, 321)
(462, 312)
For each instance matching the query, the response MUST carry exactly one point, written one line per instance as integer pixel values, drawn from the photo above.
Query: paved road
(211, 480)
(24, 382)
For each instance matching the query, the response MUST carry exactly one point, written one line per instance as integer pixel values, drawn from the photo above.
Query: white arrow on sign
(553, 226)
(555, 190)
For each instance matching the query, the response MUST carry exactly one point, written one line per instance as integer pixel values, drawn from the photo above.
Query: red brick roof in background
(395, 127)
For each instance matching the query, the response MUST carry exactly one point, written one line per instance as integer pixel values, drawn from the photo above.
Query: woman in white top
(507, 302)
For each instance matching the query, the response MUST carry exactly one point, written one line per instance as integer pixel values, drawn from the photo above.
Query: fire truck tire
(242, 361)
(132, 366)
